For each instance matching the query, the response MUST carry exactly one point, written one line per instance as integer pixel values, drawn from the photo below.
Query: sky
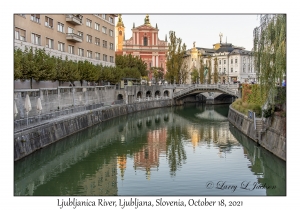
(200, 28)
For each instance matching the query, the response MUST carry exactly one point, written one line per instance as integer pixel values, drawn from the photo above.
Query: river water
(184, 150)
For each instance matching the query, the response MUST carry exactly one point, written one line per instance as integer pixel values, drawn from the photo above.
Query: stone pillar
(152, 42)
(156, 61)
(138, 39)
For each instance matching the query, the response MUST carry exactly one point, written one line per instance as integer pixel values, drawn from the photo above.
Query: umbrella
(39, 105)
(15, 110)
(27, 106)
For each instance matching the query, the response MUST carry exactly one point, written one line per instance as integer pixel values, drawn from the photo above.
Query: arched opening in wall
(120, 97)
(139, 94)
(166, 93)
(157, 93)
(148, 93)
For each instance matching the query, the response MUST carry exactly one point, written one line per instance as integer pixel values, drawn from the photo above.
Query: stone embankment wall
(28, 141)
(272, 137)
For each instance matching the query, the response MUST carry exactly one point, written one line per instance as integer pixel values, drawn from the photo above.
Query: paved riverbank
(272, 137)
(36, 137)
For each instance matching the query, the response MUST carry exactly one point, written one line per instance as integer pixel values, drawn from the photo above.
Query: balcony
(74, 19)
(74, 37)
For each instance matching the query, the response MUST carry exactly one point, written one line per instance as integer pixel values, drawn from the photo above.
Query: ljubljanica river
(186, 150)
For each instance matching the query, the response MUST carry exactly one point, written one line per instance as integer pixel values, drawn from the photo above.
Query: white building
(233, 63)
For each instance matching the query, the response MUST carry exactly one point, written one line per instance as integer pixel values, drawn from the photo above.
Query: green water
(186, 150)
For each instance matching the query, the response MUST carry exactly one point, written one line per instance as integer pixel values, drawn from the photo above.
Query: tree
(177, 68)
(209, 70)
(158, 73)
(270, 52)
(45, 66)
(216, 74)
(201, 70)
(194, 75)
(129, 61)
(29, 69)
(18, 63)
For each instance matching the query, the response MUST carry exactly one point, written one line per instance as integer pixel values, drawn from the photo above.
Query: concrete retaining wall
(26, 142)
(273, 138)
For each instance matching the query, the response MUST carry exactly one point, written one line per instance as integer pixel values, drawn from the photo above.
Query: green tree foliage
(209, 74)
(216, 74)
(194, 75)
(45, 66)
(18, 63)
(131, 73)
(270, 52)
(177, 68)
(158, 73)
(29, 69)
(201, 70)
(129, 61)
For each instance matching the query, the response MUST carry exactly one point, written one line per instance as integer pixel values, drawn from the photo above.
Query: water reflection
(116, 156)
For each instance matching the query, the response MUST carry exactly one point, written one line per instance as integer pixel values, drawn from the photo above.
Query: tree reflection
(175, 149)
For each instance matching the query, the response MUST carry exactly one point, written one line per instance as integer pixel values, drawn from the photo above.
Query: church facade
(144, 43)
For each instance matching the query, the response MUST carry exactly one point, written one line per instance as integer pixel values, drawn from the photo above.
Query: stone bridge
(213, 93)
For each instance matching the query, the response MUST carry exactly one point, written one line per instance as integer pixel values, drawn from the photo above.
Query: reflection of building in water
(122, 165)
(103, 181)
(148, 156)
(221, 136)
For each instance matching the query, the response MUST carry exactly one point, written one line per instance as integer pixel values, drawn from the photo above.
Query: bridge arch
(157, 93)
(120, 97)
(139, 94)
(166, 93)
(148, 93)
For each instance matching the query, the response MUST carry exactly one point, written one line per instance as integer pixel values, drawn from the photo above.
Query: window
(104, 16)
(224, 61)
(231, 61)
(80, 33)
(97, 41)
(231, 69)
(71, 49)
(111, 33)
(104, 57)
(104, 29)
(111, 19)
(235, 60)
(97, 26)
(35, 18)
(70, 30)
(89, 54)
(61, 47)
(48, 22)
(111, 46)
(88, 23)
(104, 43)
(89, 38)
(120, 33)
(111, 59)
(60, 27)
(145, 41)
(22, 15)
(97, 56)
(224, 70)
(20, 34)
(80, 52)
(219, 70)
(35, 39)
(220, 62)
(49, 43)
